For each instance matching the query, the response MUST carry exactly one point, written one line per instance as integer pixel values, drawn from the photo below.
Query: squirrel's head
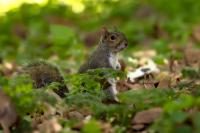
(115, 40)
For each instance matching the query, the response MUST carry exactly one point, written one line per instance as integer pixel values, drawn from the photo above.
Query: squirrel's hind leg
(111, 90)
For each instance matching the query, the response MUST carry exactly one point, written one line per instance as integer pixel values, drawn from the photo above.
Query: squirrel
(105, 56)
(43, 73)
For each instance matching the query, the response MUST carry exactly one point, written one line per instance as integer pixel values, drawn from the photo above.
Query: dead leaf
(196, 33)
(75, 115)
(122, 64)
(122, 85)
(40, 116)
(142, 71)
(192, 57)
(8, 114)
(50, 126)
(147, 116)
(138, 127)
(148, 54)
(106, 127)
(163, 84)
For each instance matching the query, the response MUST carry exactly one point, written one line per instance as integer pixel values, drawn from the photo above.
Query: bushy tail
(43, 74)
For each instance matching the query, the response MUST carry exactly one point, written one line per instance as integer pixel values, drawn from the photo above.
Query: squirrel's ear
(104, 32)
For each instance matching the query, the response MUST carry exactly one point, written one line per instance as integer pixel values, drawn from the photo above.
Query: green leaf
(196, 120)
(178, 116)
(159, 59)
(190, 72)
(183, 102)
(61, 34)
(92, 127)
(183, 129)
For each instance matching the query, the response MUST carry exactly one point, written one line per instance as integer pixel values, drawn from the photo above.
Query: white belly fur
(113, 87)
(114, 62)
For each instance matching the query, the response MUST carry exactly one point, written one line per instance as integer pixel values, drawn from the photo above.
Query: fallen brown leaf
(50, 126)
(196, 33)
(75, 115)
(138, 127)
(147, 116)
(192, 57)
(8, 114)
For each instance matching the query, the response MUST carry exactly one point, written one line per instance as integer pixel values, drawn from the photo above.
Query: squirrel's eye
(112, 37)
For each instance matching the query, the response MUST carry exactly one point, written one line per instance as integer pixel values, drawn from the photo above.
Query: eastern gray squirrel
(105, 56)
